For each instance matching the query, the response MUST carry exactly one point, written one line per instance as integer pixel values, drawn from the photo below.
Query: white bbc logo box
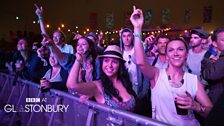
(32, 99)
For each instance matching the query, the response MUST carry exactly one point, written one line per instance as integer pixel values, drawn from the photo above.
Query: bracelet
(39, 18)
(79, 61)
(202, 108)
(140, 37)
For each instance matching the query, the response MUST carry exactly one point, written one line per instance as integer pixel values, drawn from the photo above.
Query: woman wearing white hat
(113, 88)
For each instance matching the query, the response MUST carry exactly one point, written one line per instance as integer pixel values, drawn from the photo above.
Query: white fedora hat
(112, 51)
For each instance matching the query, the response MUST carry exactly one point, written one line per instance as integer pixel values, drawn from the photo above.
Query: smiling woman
(175, 94)
(86, 49)
(114, 87)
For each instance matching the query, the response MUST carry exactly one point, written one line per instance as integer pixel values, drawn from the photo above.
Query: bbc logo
(32, 99)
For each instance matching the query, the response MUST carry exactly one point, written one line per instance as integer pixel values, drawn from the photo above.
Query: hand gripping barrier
(24, 104)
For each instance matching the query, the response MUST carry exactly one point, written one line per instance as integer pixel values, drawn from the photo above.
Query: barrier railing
(24, 104)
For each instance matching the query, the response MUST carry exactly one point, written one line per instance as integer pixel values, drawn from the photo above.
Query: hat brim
(111, 56)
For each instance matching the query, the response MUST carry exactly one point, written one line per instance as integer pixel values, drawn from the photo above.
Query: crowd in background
(147, 76)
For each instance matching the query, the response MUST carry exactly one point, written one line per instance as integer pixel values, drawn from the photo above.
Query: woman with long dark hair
(86, 48)
(113, 88)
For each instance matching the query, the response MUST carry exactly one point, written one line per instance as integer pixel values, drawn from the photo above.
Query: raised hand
(39, 10)
(76, 36)
(100, 36)
(137, 18)
(47, 41)
(41, 52)
(150, 39)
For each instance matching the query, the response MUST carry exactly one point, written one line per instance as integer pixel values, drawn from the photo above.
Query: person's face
(161, 45)
(176, 53)
(58, 38)
(22, 45)
(126, 38)
(82, 46)
(220, 41)
(110, 66)
(53, 61)
(195, 40)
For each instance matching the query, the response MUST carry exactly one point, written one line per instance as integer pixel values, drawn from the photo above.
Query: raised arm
(48, 42)
(90, 89)
(39, 13)
(137, 20)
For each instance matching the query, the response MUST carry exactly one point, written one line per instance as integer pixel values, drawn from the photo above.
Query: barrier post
(18, 103)
(52, 114)
(90, 117)
(3, 88)
(32, 113)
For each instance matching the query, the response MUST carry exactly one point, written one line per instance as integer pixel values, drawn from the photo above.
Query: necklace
(175, 84)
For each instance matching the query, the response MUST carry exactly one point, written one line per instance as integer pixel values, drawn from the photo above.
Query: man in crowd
(213, 72)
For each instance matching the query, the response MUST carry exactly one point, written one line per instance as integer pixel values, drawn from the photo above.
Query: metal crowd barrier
(21, 103)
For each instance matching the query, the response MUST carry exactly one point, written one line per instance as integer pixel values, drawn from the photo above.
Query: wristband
(39, 18)
(202, 108)
(79, 61)
(140, 37)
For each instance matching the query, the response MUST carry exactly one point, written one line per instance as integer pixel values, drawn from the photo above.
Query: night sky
(73, 13)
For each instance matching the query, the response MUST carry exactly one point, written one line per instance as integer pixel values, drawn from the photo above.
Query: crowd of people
(171, 80)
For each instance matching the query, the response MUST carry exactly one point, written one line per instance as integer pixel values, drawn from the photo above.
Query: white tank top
(163, 107)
